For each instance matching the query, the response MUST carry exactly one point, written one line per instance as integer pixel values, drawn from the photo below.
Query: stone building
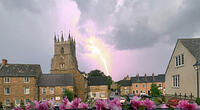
(98, 87)
(53, 86)
(18, 82)
(64, 62)
(181, 77)
(141, 84)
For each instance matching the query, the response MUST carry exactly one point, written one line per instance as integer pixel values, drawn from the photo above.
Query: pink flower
(75, 103)
(184, 104)
(18, 108)
(115, 105)
(149, 104)
(164, 106)
(100, 105)
(136, 98)
(83, 106)
(42, 106)
(63, 106)
(135, 102)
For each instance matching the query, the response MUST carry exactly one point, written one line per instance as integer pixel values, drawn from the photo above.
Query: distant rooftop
(99, 80)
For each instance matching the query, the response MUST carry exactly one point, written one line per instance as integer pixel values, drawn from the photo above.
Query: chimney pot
(4, 61)
(153, 76)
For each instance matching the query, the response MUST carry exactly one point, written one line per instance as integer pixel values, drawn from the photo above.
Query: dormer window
(62, 50)
(179, 60)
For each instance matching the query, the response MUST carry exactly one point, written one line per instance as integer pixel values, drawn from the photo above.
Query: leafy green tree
(95, 73)
(155, 92)
(69, 94)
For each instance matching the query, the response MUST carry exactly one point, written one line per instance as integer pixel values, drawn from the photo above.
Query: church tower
(64, 62)
(64, 58)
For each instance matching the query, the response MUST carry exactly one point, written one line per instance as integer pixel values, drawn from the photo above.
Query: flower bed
(135, 104)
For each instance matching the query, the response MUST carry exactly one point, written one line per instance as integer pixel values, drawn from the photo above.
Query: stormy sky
(134, 36)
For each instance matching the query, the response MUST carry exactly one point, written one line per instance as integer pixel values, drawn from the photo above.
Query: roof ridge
(187, 38)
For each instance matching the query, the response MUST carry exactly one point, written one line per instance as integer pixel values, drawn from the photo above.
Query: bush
(22, 104)
(155, 92)
(69, 94)
(198, 101)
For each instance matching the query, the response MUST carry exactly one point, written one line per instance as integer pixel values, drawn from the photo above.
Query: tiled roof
(56, 80)
(99, 80)
(20, 70)
(159, 78)
(193, 45)
(125, 82)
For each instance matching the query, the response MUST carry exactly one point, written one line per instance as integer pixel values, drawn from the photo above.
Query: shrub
(198, 101)
(155, 92)
(69, 94)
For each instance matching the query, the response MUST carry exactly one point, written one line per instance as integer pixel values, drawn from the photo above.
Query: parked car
(143, 95)
(122, 100)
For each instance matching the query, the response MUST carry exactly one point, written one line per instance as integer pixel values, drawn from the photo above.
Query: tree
(69, 94)
(95, 73)
(155, 92)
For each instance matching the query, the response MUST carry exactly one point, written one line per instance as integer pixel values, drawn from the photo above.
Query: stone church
(26, 82)
(64, 62)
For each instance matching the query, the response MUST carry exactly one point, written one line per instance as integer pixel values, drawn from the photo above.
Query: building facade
(98, 87)
(181, 77)
(141, 84)
(18, 83)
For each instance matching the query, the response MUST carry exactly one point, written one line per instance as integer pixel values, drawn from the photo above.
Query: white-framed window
(26, 101)
(43, 99)
(126, 92)
(26, 90)
(143, 85)
(26, 79)
(6, 79)
(159, 85)
(7, 91)
(17, 102)
(136, 85)
(103, 94)
(179, 60)
(7, 102)
(51, 90)
(176, 80)
(43, 90)
(63, 90)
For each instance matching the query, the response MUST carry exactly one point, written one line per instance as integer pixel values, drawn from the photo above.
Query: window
(93, 94)
(62, 50)
(52, 98)
(26, 90)
(6, 79)
(136, 91)
(175, 80)
(159, 85)
(140, 91)
(7, 102)
(51, 90)
(143, 85)
(180, 60)
(17, 102)
(26, 79)
(7, 91)
(63, 90)
(103, 94)
(43, 90)
(136, 85)
(44, 99)
(26, 101)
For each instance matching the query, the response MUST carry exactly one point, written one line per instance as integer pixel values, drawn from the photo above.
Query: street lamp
(197, 68)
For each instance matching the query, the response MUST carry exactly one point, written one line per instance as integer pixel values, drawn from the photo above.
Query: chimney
(145, 77)
(4, 61)
(153, 78)
(138, 77)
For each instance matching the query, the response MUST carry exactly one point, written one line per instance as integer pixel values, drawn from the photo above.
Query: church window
(62, 50)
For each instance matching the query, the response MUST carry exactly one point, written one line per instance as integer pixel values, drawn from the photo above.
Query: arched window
(62, 50)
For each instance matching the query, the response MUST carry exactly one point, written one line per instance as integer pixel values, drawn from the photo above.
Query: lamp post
(197, 68)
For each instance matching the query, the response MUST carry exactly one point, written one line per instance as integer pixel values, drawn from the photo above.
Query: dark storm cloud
(135, 23)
